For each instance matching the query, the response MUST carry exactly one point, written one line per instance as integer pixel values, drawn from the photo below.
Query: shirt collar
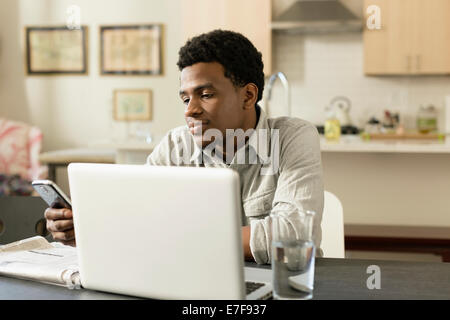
(261, 131)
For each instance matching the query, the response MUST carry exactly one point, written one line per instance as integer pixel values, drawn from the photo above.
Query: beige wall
(377, 189)
(320, 67)
(76, 110)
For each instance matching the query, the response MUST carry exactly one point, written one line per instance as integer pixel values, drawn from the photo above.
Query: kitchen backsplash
(320, 67)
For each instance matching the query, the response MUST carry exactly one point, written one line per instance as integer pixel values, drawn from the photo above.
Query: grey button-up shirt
(281, 168)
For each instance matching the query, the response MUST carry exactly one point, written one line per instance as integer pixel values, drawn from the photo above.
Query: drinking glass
(293, 254)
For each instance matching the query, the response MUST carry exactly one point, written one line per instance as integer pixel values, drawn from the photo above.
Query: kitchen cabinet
(414, 38)
(431, 44)
(252, 18)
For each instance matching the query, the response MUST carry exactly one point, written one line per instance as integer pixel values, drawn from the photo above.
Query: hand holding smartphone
(52, 194)
(59, 214)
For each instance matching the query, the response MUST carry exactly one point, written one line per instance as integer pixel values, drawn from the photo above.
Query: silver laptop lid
(163, 232)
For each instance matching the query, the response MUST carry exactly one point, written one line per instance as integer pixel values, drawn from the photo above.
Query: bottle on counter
(427, 119)
(332, 128)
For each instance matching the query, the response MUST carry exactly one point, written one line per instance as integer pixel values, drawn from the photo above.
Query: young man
(278, 160)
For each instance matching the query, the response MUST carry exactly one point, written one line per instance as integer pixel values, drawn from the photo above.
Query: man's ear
(250, 91)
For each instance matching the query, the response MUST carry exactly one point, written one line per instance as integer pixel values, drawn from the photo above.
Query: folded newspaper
(37, 259)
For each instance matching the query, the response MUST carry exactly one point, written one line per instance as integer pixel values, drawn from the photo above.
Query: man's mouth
(197, 126)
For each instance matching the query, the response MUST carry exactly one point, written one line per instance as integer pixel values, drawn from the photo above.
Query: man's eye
(185, 101)
(207, 95)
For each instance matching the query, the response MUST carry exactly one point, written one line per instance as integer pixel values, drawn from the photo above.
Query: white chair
(332, 227)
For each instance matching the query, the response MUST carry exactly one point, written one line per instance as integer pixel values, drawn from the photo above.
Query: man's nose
(193, 109)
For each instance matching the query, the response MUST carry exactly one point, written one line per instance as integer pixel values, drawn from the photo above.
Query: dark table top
(334, 279)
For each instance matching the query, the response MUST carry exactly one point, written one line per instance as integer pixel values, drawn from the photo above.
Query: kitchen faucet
(285, 83)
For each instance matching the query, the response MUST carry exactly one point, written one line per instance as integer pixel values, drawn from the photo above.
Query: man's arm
(300, 184)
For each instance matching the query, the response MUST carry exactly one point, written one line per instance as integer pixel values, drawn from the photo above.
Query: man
(221, 82)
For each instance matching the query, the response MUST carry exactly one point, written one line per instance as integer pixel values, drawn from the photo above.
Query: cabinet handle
(408, 63)
(418, 62)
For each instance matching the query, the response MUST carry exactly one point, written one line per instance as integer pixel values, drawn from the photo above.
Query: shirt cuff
(260, 240)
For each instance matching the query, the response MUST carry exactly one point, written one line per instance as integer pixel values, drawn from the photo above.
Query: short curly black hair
(241, 60)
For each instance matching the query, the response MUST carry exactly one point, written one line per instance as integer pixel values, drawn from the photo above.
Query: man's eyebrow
(198, 88)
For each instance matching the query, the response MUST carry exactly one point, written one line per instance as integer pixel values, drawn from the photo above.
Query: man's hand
(60, 224)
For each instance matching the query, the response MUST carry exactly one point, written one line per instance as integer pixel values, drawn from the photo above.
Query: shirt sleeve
(300, 184)
(160, 156)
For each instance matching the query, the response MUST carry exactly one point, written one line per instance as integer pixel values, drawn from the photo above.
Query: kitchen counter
(347, 143)
(389, 183)
(354, 143)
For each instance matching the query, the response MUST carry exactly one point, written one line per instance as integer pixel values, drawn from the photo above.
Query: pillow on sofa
(14, 148)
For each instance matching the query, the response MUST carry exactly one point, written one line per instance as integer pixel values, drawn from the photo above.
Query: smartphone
(52, 194)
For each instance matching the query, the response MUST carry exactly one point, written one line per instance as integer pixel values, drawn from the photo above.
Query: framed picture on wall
(131, 50)
(132, 105)
(56, 50)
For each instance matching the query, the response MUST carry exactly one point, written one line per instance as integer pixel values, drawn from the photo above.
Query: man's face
(210, 98)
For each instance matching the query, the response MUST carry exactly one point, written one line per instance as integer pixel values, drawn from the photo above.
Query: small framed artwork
(133, 105)
(56, 50)
(131, 50)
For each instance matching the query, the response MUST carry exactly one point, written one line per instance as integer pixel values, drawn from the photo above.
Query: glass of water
(293, 254)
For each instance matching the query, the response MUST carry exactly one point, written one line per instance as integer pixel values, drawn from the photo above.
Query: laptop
(162, 232)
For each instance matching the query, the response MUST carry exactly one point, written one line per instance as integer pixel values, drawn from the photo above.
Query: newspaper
(37, 259)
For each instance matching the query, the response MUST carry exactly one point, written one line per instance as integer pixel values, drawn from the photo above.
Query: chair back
(332, 227)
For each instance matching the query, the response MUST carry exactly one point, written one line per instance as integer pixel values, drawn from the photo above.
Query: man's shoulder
(288, 125)
(169, 149)
(180, 131)
(298, 140)
(178, 135)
